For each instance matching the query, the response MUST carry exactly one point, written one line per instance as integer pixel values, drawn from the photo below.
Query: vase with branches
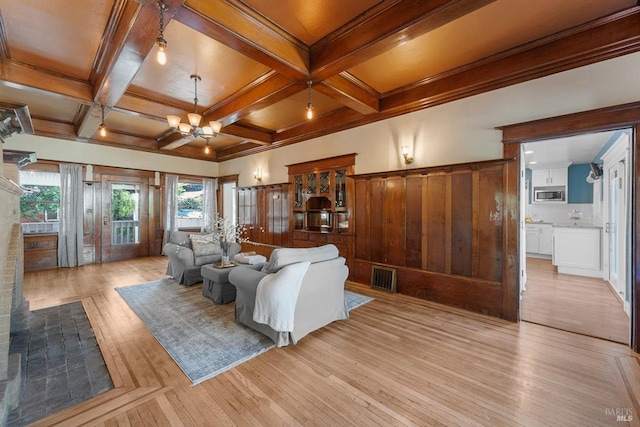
(225, 233)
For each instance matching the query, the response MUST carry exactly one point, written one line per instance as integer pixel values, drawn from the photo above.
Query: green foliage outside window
(40, 203)
(122, 205)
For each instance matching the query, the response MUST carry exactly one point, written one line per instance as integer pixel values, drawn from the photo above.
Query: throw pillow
(204, 245)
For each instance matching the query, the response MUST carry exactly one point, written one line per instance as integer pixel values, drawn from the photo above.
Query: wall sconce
(257, 174)
(405, 153)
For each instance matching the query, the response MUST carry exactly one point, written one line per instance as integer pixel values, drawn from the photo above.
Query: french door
(125, 218)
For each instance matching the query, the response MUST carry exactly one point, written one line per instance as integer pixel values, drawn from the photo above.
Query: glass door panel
(125, 214)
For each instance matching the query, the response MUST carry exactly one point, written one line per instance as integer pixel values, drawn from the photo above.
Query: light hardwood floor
(397, 361)
(584, 305)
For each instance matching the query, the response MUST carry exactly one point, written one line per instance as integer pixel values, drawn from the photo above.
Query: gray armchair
(321, 298)
(184, 265)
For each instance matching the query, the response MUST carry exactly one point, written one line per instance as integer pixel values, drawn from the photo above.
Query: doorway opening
(575, 233)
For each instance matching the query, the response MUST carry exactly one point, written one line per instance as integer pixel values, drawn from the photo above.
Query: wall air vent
(383, 278)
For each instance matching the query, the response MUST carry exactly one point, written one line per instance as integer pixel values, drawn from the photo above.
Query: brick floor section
(61, 363)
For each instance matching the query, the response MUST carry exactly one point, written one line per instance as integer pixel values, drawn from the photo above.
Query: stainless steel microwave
(549, 194)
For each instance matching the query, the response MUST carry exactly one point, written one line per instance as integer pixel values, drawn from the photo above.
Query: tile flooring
(61, 363)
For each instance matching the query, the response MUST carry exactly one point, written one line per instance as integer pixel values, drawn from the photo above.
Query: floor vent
(383, 278)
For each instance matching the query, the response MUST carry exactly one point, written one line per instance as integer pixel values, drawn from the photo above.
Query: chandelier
(193, 129)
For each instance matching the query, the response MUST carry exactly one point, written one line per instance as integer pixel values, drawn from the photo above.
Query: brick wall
(9, 259)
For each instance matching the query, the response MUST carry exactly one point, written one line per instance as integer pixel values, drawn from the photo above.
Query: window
(189, 205)
(40, 205)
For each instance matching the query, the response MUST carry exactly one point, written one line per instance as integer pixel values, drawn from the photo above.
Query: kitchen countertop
(576, 225)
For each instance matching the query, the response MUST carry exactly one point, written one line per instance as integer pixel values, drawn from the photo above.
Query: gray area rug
(202, 337)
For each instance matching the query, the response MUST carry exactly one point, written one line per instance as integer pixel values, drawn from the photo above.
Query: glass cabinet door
(311, 183)
(297, 191)
(341, 188)
(325, 186)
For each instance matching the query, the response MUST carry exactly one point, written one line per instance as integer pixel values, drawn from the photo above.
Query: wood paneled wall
(265, 211)
(442, 228)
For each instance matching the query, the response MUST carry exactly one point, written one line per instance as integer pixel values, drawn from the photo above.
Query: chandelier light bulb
(207, 150)
(102, 129)
(161, 56)
(309, 105)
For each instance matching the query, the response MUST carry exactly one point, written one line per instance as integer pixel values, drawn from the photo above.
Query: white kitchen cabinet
(539, 238)
(545, 239)
(532, 238)
(577, 250)
(549, 177)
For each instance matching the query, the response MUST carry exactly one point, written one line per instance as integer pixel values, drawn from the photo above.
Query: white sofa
(184, 265)
(320, 299)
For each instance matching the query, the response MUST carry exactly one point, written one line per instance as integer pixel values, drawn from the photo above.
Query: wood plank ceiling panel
(40, 33)
(476, 36)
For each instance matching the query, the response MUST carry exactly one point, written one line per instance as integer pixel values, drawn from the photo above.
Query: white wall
(80, 152)
(459, 131)
(456, 132)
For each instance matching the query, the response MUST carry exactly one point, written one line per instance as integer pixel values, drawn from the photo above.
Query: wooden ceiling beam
(236, 150)
(91, 121)
(218, 19)
(400, 22)
(248, 134)
(261, 93)
(337, 120)
(345, 90)
(66, 131)
(133, 103)
(131, 44)
(27, 78)
(172, 141)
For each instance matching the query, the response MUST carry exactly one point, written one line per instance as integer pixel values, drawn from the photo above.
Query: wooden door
(125, 218)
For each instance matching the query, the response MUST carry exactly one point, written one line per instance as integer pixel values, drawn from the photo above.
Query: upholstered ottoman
(215, 284)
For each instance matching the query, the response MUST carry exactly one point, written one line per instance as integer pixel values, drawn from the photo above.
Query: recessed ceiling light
(528, 152)
(532, 163)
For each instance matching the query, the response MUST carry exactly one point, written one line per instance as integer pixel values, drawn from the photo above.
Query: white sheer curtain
(70, 234)
(209, 203)
(170, 206)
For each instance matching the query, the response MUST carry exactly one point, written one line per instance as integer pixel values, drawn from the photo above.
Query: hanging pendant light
(193, 129)
(161, 56)
(102, 129)
(309, 105)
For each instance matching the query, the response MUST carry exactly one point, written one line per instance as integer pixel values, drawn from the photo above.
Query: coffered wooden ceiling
(368, 60)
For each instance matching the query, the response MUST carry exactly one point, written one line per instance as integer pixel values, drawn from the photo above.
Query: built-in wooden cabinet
(321, 208)
(40, 251)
